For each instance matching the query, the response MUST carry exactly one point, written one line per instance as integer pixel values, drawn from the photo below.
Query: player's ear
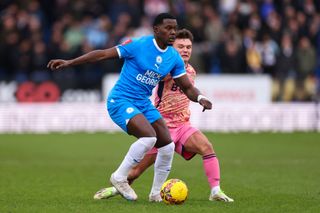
(156, 29)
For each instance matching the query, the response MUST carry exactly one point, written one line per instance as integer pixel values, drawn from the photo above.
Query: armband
(200, 97)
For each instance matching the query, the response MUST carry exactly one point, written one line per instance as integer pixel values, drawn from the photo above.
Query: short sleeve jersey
(171, 102)
(145, 64)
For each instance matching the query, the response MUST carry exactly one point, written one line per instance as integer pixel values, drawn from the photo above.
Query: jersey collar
(158, 48)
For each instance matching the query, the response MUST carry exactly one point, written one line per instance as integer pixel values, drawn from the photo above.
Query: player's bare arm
(192, 92)
(90, 57)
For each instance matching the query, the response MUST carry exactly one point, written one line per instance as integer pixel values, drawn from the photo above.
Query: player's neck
(160, 44)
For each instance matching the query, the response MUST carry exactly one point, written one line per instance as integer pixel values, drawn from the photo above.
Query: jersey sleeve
(127, 49)
(179, 68)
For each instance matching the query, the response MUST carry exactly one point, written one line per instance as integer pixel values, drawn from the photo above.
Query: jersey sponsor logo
(149, 77)
(153, 74)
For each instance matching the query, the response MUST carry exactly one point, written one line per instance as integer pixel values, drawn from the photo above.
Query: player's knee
(206, 148)
(164, 158)
(148, 142)
(167, 149)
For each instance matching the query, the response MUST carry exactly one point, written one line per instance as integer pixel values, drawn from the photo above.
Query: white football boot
(220, 196)
(124, 189)
(155, 198)
(105, 193)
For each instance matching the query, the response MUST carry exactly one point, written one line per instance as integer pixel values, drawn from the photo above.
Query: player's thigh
(130, 118)
(163, 134)
(139, 126)
(198, 143)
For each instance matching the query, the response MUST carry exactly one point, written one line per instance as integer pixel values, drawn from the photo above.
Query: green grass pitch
(263, 172)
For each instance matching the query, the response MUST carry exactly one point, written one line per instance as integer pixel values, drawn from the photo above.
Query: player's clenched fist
(58, 64)
(205, 103)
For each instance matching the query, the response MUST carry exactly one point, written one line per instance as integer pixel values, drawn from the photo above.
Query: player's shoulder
(172, 49)
(145, 39)
(173, 52)
(134, 40)
(190, 69)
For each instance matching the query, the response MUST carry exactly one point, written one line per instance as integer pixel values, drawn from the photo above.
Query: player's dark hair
(159, 19)
(184, 34)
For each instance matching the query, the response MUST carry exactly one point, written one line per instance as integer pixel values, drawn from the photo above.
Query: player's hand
(58, 64)
(205, 103)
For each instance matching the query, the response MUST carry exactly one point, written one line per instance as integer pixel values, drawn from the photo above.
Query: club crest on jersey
(129, 110)
(159, 59)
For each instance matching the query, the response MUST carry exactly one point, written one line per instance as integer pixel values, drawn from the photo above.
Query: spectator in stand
(266, 8)
(226, 7)
(306, 58)
(145, 27)
(269, 52)
(97, 32)
(213, 31)
(253, 58)
(231, 52)
(293, 28)
(285, 71)
(255, 23)
(38, 62)
(274, 26)
(232, 60)
(154, 7)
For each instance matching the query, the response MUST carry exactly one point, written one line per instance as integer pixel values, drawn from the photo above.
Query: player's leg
(128, 116)
(198, 143)
(134, 173)
(163, 160)
(144, 164)
(140, 127)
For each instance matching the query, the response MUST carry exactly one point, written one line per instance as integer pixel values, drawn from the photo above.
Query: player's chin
(185, 57)
(170, 43)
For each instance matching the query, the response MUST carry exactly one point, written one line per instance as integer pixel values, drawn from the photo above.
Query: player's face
(184, 47)
(166, 32)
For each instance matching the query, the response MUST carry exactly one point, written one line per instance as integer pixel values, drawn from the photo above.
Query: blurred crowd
(278, 38)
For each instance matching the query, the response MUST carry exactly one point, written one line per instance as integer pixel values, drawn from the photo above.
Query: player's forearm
(188, 89)
(192, 93)
(94, 56)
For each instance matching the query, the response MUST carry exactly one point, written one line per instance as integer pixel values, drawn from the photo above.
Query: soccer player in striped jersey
(173, 105)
